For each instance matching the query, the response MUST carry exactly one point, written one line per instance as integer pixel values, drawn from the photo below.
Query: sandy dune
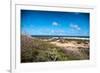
(72, 47)
(69, 44)
(66, 46)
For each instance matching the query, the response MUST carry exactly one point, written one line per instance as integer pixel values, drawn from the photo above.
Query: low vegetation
(36, 50)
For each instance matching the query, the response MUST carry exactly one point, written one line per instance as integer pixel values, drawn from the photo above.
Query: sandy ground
(70, 44)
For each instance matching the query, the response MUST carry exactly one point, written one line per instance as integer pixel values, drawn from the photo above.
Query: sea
(61, 36)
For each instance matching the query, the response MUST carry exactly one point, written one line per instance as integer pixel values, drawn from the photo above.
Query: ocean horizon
(58, 36)
(61, 36)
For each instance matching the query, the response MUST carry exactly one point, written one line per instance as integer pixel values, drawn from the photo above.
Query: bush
(35, 50)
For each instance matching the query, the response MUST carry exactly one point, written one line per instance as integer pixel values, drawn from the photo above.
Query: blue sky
(54, 23)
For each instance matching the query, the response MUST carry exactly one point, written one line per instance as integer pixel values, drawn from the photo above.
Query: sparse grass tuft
(36, 50)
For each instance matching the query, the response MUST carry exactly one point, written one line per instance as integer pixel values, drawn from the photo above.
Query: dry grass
(37, 50)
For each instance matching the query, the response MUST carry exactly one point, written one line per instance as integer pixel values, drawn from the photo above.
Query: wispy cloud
(55, 23)
(57, 32)
(75, 27)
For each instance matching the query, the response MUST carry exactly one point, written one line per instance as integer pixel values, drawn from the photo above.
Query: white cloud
(57, 32)
(55, 23)
(75, 26)
(52, 31)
